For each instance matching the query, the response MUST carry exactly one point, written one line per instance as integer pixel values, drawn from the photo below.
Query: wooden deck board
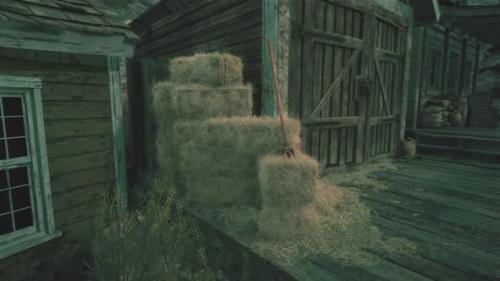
(447, 208)
(452, 212)
(481, 133)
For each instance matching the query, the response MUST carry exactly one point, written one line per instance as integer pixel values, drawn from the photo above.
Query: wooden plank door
(332, 79)
(384, 101)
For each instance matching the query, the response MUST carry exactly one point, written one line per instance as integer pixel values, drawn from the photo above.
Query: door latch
(363, 86)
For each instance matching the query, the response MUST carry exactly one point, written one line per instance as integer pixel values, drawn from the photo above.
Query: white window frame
(43, 228)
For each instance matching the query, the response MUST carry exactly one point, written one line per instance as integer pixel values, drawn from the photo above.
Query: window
(26, 216)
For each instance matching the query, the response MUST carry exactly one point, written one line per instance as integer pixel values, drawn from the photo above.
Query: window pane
(18, 176)
(3, 179)
(3, 152)
(13, 106)
(14, 127)
(21, 198)
(5, 224)
(17, 148)
(4, 202)
(23, 219)
(1, 128)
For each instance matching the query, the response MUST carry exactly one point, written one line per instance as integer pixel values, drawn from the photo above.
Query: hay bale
(293, 224)
(174, 102)
(189, 102)
(212, 69)
(309, 221)
(287, 181)
(218, 157)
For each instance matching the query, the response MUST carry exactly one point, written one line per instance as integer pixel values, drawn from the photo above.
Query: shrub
(156, 243)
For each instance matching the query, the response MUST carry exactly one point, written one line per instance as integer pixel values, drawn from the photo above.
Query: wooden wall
(78, 126)
(233, 26)
(444, 63)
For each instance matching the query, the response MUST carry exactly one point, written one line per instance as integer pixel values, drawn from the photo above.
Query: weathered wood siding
(77, 112)
(443, 64)
(233, 26)
(349, 59)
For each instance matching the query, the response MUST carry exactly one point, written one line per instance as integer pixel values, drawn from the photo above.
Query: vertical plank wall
(232, 26)
(384, 131)
(455, 67)
(335, 143)
(78, 126)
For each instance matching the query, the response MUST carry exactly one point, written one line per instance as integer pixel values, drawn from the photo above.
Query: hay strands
(287, 147)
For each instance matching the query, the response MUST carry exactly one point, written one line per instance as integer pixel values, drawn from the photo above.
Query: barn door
(384, 101)
(341, 83)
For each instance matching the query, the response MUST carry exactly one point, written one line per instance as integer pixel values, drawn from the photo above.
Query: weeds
(157, 242)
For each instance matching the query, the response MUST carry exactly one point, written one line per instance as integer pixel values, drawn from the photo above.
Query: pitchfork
(287, 145)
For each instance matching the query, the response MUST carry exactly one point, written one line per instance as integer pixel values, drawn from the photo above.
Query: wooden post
(269, 32)
(117, 120)
(424, 79)
(446, 62)
(465, 50)
(417, 65)
(368, 72)
(476, 68)
(406, 52)
(295, 65)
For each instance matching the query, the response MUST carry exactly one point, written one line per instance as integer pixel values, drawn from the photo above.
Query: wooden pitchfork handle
(287, 147)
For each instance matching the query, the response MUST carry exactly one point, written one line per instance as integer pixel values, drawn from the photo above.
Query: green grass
(157, 242)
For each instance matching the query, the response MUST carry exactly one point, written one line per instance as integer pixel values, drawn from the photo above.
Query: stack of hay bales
(303, 216)
(218, 157)
(192, 96)
(208, 143)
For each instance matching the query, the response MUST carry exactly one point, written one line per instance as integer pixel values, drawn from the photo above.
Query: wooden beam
(269, 32)
(407, 52)
(415, 84)
(470, 11)
(446, 62)
(345, 70)
(295, 60)
(382, 87)
(118, 135)
(24, 36)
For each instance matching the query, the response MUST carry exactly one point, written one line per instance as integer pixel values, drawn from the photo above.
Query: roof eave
(22, 35)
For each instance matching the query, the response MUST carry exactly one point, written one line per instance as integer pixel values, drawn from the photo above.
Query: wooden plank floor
(486, 133)
(450, 210)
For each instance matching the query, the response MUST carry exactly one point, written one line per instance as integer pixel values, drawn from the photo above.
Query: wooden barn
(350, 113)
(443, 98)
(61, 143)
(446, 63)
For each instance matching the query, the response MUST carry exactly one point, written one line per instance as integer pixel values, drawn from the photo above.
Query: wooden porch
(472, 141)
(451, 210)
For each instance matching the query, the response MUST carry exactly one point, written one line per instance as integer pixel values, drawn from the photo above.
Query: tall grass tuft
(155, 243)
